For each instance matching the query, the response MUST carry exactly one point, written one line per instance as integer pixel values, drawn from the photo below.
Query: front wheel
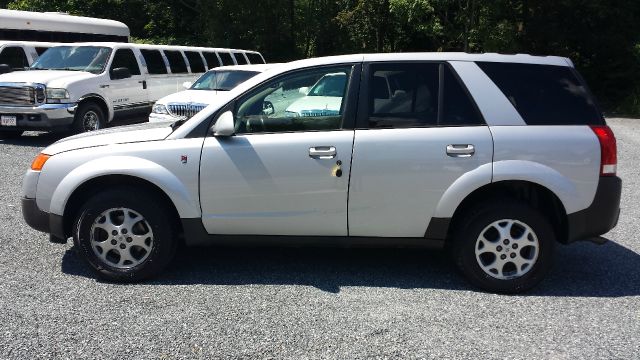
(125, 234)
(88, 117)
(504, 246)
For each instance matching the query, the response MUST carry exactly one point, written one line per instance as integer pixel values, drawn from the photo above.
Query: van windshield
(78, 58)
(222, 80)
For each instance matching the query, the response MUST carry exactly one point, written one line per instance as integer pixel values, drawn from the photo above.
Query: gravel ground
(310, 303)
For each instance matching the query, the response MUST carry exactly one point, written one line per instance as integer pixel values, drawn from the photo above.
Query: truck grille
(22, 95)
(185, 110)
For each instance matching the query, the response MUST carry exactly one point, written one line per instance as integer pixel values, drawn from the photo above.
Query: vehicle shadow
(35, 139)
(582, 269)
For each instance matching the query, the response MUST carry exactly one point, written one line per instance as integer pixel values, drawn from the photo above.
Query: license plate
(7, 120)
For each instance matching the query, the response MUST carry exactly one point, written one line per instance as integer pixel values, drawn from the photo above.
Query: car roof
(156, 47)
(435, 56)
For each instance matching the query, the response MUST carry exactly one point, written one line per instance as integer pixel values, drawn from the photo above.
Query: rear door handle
(322, 152)
(460, 150)
(144, 83)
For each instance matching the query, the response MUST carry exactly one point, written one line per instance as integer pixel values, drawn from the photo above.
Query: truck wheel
(89, 117)
(125, 234)
(504, 246)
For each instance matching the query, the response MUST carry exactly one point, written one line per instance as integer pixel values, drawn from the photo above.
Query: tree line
(602, 37)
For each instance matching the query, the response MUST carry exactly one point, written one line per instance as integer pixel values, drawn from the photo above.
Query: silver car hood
(115, 135)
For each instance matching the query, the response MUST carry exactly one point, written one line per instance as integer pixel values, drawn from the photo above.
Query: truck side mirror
(4, 68)
(120, 73)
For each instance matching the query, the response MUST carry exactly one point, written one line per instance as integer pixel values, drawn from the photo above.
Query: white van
(17, 55)
(84, 86)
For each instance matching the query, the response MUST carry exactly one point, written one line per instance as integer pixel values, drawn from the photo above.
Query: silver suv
(495, 157)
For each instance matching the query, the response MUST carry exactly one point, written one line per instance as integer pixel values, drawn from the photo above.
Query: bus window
(154, 60)
(15, 57)
(197, 66)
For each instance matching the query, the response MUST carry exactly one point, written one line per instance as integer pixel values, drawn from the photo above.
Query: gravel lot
(310, 303)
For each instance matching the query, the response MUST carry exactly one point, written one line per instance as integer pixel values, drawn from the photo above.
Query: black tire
(12, 134)
(88, 117)
(483, 219)
(159, 226)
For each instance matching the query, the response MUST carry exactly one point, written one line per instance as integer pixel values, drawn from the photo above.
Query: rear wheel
(89, 117)
(125, 234)
(504, 246)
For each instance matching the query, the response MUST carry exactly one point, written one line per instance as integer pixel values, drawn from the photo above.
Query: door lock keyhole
(337, 169)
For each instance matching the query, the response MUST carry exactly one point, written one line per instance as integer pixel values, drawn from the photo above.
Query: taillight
(608, 150)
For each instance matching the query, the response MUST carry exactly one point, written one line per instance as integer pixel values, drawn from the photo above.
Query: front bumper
(43, 221)
(601, 216)
(42, 117)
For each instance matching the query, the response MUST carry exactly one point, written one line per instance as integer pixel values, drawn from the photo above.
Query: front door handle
(460, 150)
(144, 83)
(322, 152)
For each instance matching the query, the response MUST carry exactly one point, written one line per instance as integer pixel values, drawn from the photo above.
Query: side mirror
(304, 90)
(225, 125)
(120, 73)
(4, 68)
(187, 85)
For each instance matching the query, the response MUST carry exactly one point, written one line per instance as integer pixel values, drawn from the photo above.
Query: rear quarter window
(545, 94)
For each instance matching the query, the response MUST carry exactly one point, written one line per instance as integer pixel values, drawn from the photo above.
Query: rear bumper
(43, 117)
(601, 216)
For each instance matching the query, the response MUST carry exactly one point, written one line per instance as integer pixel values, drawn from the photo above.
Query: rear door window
(15, 57)
(197, 66)
(407, 95)
(545, 94)
(176, 61)
(154, 60)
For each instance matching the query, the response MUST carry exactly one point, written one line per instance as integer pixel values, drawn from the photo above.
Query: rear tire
(503, 246)
(89, 117)
(125, 234)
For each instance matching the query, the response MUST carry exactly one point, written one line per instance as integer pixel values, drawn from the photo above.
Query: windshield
(224, 80)
(78, 58)
(330, 85)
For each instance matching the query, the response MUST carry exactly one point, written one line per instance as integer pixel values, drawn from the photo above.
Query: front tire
(125, 234)
(88, 117)
(504, 246)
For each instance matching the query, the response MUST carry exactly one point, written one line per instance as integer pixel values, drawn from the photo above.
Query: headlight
(160, 109)
(57, 94)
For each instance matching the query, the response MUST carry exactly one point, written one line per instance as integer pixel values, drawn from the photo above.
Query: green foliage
(600, 36)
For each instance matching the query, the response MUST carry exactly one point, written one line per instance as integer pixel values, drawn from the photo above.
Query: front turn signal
(39, 161)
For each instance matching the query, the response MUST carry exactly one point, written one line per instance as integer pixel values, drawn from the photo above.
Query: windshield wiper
(219, 89)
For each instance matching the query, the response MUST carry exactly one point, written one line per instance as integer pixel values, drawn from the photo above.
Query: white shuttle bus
(84, 86)
(59, 27)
